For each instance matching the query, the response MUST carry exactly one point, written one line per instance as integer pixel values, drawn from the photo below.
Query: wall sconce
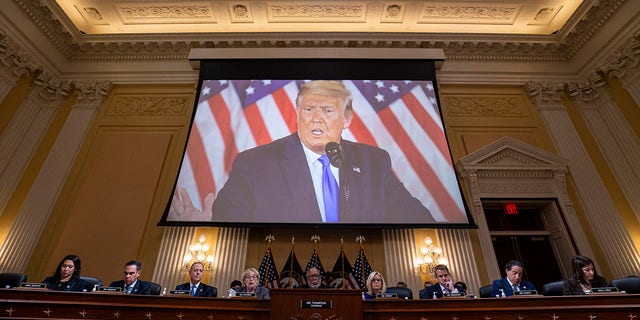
(198, 252)
(431, 257)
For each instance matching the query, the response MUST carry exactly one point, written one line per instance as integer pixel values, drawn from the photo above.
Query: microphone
(334, 153)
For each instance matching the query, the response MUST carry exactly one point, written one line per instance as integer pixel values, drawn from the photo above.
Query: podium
(315, 304)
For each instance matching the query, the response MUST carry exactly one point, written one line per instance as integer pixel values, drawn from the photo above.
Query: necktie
(128, 289)
(329, 190)
(515, 288)
(193, 290)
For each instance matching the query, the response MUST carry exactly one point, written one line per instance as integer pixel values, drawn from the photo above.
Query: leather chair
(555, 288)
(90, 283)
(403, 293)
(628, 284)
(155, 288)
(12, 280)
(485, 292)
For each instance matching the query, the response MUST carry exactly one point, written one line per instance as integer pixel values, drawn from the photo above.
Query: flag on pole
(360, 272)
(341, 270)
(401, 117)
(291, 274)
(268, 273)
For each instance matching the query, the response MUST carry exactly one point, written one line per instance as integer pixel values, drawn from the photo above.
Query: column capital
(546, 95)
(91, 94)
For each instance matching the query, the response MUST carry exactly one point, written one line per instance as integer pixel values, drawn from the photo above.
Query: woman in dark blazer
(585, 277)
(67, 275)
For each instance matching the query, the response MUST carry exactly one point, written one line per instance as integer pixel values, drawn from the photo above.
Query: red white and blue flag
(401, 117)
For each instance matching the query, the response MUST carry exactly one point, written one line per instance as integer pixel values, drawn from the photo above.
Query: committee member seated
(375, 285)
(130, 283)
(290, 179)
(67, 275)
(512, 282)
(444, 285)
(251, 284)
(194, 286)
(314, 279)
(585, 277)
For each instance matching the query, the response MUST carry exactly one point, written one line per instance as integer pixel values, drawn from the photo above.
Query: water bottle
(232, 293)
(95, 288)
(164, 291)
(502, 295)
(434, 295)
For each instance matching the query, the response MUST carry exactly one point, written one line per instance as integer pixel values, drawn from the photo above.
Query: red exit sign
(511, 208)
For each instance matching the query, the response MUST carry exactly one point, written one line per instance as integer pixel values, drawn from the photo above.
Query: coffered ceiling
(516, 30)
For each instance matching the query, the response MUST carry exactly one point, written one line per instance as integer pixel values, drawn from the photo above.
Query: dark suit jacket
(427, 293)
(272, 183)
(261, 292)
(74, 284)
(203, 290)
(506, 287)
(141, 287)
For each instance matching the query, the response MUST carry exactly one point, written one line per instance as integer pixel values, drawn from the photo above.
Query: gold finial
(360, 239)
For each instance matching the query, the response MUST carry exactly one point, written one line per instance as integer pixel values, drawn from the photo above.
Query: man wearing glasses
(314, 279)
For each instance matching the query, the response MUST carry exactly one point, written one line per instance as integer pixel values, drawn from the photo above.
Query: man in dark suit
(444, 285)
(194, 286)
(512, 282)
(130, 283)
(283, 180)
(314, 279)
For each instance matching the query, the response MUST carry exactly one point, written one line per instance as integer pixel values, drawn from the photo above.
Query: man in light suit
(282, 181)
(444, 285)
(130, 284)
(194, 286)
(512, 282)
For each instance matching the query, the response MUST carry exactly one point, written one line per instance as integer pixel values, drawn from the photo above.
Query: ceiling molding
(559, 47)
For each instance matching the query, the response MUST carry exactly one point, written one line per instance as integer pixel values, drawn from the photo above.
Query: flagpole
(293, 251)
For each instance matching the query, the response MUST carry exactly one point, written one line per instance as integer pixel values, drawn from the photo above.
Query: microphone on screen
(334, 153)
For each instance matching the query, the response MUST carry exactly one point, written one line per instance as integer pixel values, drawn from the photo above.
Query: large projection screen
(247, 107)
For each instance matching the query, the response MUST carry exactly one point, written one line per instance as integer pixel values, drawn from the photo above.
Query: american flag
(360, 272)
(401, 117)
(314, 261)
(341, 270)
(268, 273)
(291, 275)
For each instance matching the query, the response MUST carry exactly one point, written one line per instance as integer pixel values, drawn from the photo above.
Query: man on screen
(286, 180)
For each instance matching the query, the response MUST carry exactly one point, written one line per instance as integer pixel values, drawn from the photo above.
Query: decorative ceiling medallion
(240, 12)
(545, 15)
(470, 14)
(144, 14)
(393, 12)
(92, 15)
(320, 12)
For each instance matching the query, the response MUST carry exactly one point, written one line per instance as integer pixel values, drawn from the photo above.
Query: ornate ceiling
(539, 30)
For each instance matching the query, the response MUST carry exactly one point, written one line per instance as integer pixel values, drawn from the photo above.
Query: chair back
(485, 292)
(555, 288)
(155, 288)
(90, 283)
(11, 279)
(628, 284)
(403, 293)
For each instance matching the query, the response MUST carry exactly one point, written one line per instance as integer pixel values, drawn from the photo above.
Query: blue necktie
(329, 190)
(193, 290)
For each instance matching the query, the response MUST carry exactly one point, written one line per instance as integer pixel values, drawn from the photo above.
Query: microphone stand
(344, 180)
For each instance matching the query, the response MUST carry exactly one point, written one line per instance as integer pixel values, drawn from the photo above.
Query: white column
(229, 257)
(175, 243)
(25, 131)
(399, 248)
(456, 247)
(613, 238)
(614, 136)
(16, 250)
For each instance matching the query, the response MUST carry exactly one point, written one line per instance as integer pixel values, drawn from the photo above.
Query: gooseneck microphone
(336, 156)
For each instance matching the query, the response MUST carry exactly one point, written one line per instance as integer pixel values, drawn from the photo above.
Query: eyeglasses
(251, 277)
(376, 280)
(313, 276)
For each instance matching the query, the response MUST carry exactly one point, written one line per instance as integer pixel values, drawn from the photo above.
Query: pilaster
(174, 245)
(619, 251)
(229, 257)
(13, 64)
(399, 248)
(456, 246)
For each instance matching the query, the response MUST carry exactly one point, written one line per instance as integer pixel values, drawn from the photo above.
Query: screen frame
(317, 69)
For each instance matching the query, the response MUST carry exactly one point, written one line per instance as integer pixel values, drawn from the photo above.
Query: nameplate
(180, 292)
(453, 294)
(525, 293)
(36, 285)
(315, 304)
(245, 294)
(604, 290)
(109, 289)
(387, 295)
